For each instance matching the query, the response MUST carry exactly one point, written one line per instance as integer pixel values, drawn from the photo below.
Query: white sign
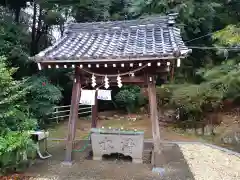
(104, 95)
(88, 97)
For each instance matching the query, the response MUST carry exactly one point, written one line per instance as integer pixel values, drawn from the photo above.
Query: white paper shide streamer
(119, 81)
(93, 81)
(88, 97)
(104, 95)
(106, 82)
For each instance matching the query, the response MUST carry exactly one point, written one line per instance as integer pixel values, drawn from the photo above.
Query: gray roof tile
(149, 37)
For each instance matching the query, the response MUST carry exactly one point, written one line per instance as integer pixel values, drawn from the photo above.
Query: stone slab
(128, 145)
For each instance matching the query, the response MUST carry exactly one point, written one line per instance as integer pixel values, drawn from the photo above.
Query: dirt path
(169, 135)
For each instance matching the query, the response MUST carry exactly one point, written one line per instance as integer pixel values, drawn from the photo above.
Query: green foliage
(126, 98)
(14, 5)
(49, 13)
(164, 94)
(195, 19)
(93, 10)
(205, 90)
(196, 98)
(14, 114)
(220, 83)
(16, 151)
(88, 10)
(53, 18)
(225, 76)
(197, 15)
(15, 121)
(42, 97)
(14, 45)
(12, 36)
(130, 98)
(119, 10)
(229, 36)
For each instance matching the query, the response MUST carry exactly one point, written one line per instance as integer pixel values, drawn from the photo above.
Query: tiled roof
(143, 38)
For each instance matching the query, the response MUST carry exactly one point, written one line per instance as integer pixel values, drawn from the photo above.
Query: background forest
(205, 80)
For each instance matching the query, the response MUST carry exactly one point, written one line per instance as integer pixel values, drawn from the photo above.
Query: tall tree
(197, 20)
(15, 41)
(16, 6)
(13, 107)
(45, 17)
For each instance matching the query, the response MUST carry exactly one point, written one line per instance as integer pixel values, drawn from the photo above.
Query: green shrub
(42, 97)
(15, 121)
(164, 94)
(197, 99)
(130, 98)
(14, 110)
(17, 150)
(194, 99)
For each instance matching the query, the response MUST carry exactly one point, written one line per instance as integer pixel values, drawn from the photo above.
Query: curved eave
(184, 54)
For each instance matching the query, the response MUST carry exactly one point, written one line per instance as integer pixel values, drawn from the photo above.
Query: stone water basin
(109, 141)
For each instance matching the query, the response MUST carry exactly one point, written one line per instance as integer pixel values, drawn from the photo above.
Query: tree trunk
(17, 14)
(38, 30)
(33, 29)
(46, 37)
(62, 29)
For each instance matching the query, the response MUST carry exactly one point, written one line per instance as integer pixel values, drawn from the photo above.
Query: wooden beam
(126, 69)
(76, 91)
(95, 112)
(154, 112)
(101, 69)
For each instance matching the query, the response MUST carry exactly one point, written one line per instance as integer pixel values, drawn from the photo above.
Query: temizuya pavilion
(147, 47)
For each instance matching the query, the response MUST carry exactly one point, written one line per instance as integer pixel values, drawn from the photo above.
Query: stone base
(67, 163)
(97, 158)
(158, 159)
(160, 171)
(137, 161)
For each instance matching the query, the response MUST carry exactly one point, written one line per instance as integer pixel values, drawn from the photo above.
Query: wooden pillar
(76, 91)
(154, 112)
(95, 112)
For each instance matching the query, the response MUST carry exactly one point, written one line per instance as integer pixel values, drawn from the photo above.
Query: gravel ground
(207, 163)
(181, 162)
(84, 168)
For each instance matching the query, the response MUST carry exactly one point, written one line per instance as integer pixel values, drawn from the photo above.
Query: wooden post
(172, 70)
(76, 91)
(95, 112)
(154, 113)
(57, 115)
